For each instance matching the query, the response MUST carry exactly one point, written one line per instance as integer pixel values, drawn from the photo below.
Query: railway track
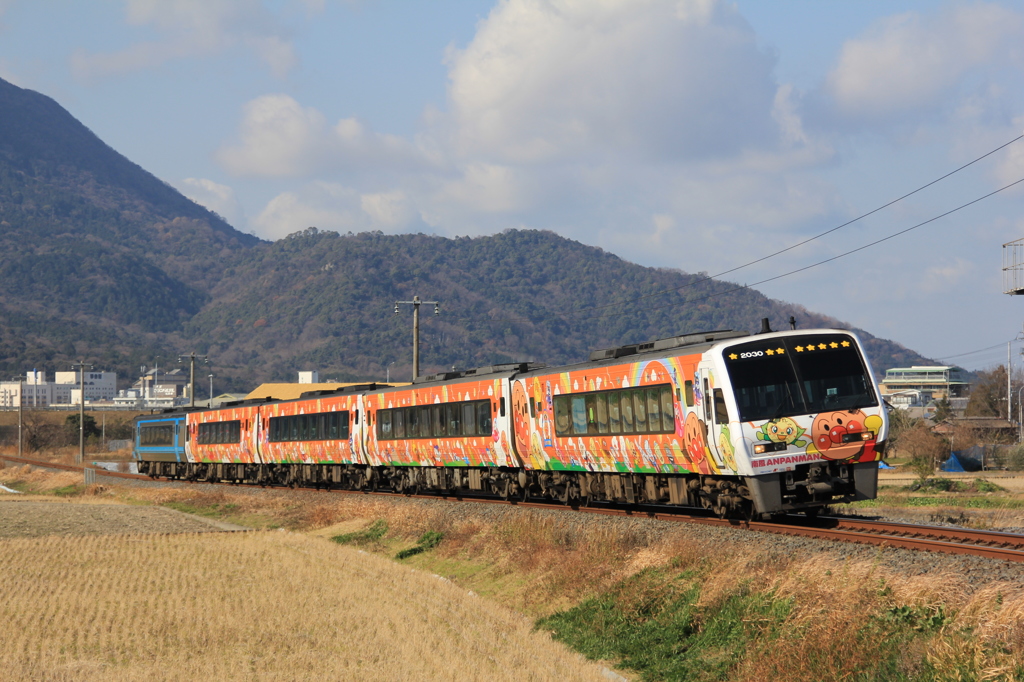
(942, 539)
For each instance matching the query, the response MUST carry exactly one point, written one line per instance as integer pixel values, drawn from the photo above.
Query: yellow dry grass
(255, 606)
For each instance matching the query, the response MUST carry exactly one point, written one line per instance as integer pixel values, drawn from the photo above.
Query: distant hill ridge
(102, 260)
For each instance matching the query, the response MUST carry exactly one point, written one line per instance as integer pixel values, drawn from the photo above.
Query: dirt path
(36, 518)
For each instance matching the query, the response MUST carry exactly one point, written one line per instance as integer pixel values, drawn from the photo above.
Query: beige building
(923, 384)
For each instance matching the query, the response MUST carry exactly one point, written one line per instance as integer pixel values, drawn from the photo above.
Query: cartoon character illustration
(830, 428)
(521, 418)
(698, 395)
(783, 430)
(695, 437)
(725, 445)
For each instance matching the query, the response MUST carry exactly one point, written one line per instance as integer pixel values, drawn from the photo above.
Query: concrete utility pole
(21, 403)
(192, 375)
(211, 392)
(415, 303)
(81, 410)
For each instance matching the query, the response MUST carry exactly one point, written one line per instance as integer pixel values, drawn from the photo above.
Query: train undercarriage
(808, 488)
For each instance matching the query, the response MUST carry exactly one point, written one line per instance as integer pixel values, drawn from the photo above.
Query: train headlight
(759, 449)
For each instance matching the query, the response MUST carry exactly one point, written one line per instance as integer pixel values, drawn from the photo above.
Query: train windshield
(793, 375)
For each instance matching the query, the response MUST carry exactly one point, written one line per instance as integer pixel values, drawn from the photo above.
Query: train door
(260, 432)
(712, 411)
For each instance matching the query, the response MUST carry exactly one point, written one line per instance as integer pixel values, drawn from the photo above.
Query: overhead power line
(975, 352)
(805, 241)
(821, 262)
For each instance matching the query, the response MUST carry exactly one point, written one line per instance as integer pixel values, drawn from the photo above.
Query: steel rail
(941, 539)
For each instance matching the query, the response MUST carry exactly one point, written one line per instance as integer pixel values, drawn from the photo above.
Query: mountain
(103, 261)
(94, 251)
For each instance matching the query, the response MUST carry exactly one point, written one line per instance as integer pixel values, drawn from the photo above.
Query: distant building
(920, 385)
(98, 386)
(312, 377)
(64, 390)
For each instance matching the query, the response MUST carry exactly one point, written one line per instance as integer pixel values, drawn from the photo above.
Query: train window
(453, 412)
(707, 402)
(213, 433)
(533, 412)
(614, 416)
(627, 411)
(468, 419)
(335, 425)
(440, 422)
(425, 426)
(668, 418)
(398, 422)
(562, 415)
(483, 417)
(653, 410)
(501, 406)
(313, 432)
(591, 403)
(384, 425)
(640, 411)
(156, 435)
(579, 415)
(602, 412)
(721, 411)
(688, 392)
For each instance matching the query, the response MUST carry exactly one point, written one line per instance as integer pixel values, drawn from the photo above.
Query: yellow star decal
(733, 356)
(780, 351)
(845, 344)
(822, 346)
(833, 345)
(770, 352)
(799, 349)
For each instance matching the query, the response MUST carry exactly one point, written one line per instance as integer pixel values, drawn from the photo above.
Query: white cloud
(193, 28)
(333, 206)
(550, 80)
(279, 137)
(909, 61)
(218, 198)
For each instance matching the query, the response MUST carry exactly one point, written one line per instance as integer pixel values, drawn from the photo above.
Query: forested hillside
(101, 260)
(326, 301)
(94, 251)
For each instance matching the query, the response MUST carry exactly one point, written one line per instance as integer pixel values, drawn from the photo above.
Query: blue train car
(160, 443)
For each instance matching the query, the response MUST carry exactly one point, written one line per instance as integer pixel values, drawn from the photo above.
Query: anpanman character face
(830, 427)
(695, 437)
(521, 418)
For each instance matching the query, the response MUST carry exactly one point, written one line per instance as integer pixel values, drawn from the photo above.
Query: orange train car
(740, 424)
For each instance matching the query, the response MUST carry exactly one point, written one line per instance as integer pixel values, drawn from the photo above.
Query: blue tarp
(883, 465)
(952, 464)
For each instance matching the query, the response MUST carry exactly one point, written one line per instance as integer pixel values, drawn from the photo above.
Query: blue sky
(686, 134)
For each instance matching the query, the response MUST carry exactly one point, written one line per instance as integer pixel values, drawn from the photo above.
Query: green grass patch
(72, 490)
(428, 540)
(372, 533)
(949, 485)
(650, 623)
(213, 511)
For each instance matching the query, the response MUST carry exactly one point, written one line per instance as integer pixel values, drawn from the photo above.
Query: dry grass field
(714, 604)
(269, 605)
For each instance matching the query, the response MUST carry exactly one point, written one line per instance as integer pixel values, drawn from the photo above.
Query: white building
(98, 386)
(64, 390)
(311, 377)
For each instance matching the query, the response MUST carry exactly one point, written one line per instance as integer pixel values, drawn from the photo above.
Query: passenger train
(744, 425)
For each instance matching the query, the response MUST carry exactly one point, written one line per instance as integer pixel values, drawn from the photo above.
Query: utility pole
(21, 403)
(81, 409)
(415, 303)
(211, 392)
(192, 375)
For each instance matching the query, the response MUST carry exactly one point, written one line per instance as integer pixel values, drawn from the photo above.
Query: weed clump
(428, 540)
(372, 533)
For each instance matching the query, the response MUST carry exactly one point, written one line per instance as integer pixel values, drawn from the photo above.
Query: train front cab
(159, 445)
(813, 428)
